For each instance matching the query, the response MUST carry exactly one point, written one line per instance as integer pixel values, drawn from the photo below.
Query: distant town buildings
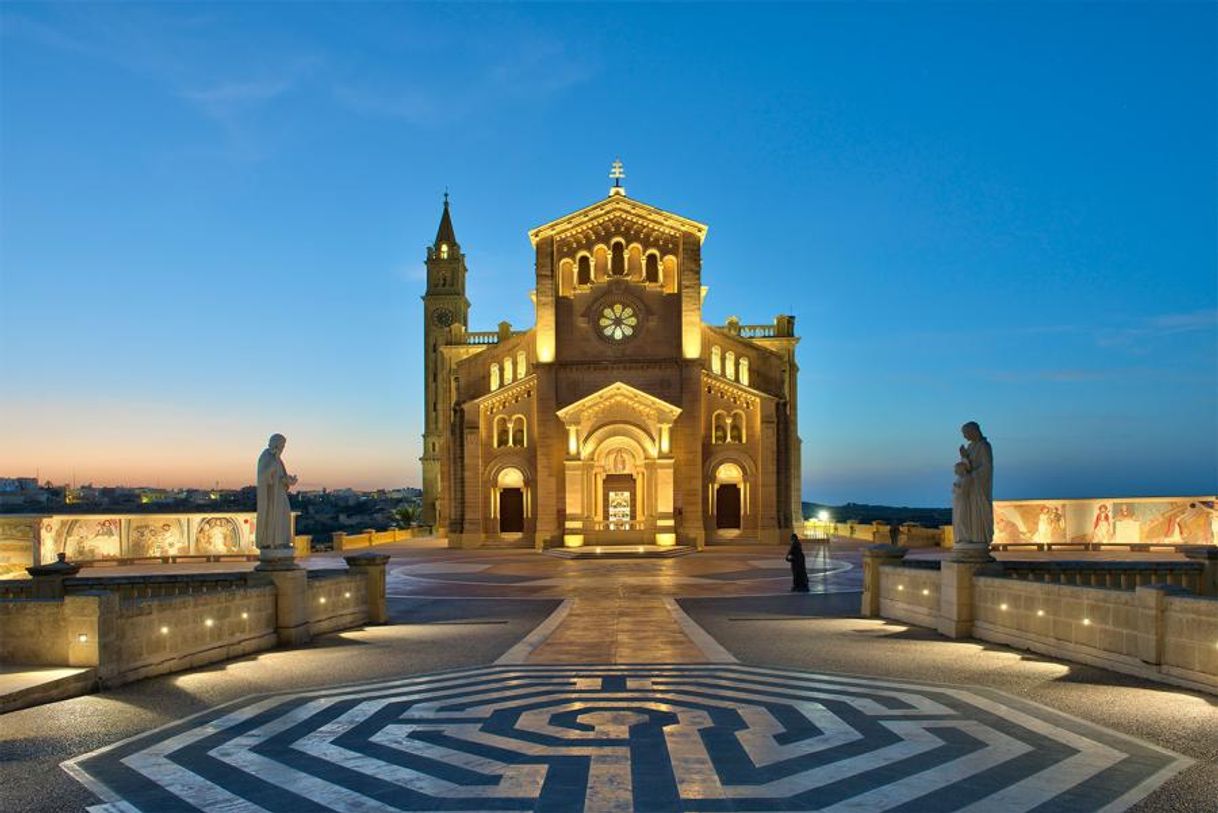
(324, 511)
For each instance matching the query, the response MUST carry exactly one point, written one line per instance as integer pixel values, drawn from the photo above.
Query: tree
(406, 514)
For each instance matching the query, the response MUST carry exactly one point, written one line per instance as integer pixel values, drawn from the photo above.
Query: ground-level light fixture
(822, 515)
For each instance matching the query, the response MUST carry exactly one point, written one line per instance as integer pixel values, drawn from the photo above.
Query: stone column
(91, 619)
(875, 557)
(373, 567)
(291, 604)
(1207, 555)
(1151, 604)
(956, 595)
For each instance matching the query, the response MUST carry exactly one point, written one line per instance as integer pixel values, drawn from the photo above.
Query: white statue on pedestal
(274, 525)
(973, 496)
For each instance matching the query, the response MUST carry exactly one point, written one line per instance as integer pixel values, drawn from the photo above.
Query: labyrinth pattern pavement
(645, 738)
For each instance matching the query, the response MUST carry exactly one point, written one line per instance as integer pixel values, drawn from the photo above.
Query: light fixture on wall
(207, 622)
(244, 615)
(1040, 612)
(164, 630)
(926, 591)
(347, 594)
(82, 638)
(322, 599)
(1002, 607)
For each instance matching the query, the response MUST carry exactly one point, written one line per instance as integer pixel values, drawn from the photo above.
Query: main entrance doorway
(619, 501)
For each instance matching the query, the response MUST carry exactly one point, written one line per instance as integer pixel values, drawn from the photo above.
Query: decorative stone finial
(617, 173)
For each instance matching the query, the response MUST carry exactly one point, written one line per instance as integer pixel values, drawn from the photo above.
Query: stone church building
(620, 416)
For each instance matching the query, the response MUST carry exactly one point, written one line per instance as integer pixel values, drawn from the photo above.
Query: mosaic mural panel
(218, 536)
(157, 536)
(92, 539)
(1119, 522)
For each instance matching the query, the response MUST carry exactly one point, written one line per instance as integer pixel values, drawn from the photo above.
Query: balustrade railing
(758, 331)
(1109, 575)
(132, 588)
(482, 337)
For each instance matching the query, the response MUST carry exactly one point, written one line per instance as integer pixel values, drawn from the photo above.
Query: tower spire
(445, 233)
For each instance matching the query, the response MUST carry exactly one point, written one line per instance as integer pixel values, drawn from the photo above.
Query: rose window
(618, 321)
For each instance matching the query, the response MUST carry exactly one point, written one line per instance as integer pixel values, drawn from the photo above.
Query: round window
(618, 321)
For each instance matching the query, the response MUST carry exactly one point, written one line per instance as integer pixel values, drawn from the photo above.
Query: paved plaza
(511, 680)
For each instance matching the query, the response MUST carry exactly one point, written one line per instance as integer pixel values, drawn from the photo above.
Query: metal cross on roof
(617, 173)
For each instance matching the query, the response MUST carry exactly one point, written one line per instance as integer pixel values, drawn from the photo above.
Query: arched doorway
(729, 482)
(620, 491)
(511, 501)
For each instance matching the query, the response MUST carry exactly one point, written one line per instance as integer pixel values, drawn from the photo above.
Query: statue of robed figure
(973, 496)
(274, 528)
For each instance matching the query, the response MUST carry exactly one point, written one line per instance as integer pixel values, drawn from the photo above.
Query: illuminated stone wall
(28, 539)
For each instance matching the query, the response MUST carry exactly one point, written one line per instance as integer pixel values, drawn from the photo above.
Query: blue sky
(213, 222)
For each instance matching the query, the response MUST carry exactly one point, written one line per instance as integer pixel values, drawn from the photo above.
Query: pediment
(612, 214)
(620, 399)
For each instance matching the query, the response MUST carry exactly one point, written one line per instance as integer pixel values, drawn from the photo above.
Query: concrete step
(25, 686)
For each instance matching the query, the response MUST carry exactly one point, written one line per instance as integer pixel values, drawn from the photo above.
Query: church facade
(620, 416)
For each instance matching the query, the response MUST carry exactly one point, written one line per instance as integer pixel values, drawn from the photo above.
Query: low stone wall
(132, 627)
(910, 594)
(337, 600)
(1116, 619)
(1087, 624)
(370, 538)
(34, 632)
(1190, 638)
(155, 636)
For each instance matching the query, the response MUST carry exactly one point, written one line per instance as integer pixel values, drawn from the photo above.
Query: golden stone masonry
(620, 416)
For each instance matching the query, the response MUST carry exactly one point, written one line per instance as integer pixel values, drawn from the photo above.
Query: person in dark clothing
(799, 566)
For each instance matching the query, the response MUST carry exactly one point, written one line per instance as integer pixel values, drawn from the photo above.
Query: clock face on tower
(442, 317)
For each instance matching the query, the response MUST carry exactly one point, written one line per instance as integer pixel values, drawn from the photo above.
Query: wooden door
(511, 510)
(727, 506)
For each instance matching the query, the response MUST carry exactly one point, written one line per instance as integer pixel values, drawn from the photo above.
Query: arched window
(494, 376)
(617, 260)
(600, 262)
(520, 364)
(507, 370)
(502, 435)
(716, 362)
(634, 262)
(743, 365)
(583, 274)
(444, 251)
(719, 428)
(652, 267)
(518, 431)
(729, 365)
(735, 429)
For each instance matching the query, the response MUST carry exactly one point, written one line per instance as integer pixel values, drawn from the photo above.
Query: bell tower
(444, 304)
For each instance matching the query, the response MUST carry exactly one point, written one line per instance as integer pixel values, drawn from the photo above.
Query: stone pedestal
(875, 557)
(291, 605)
(276, 559)
(48, 579)
(972, 552)
(372, 565)
(956, 595)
